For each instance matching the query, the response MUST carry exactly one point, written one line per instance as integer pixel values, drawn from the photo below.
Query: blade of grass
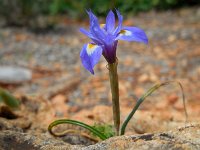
(148, 93)
(78, 123)
(8, 98)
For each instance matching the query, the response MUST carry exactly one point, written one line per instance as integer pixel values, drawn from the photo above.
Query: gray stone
(184, 138)
(14, 75)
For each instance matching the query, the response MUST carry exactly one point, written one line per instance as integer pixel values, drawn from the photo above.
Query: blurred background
(40, 44)
(27, 13)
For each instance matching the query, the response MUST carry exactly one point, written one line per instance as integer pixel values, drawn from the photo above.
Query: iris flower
(104, 39)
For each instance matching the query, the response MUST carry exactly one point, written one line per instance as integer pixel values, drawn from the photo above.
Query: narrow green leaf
(148, 93)
(8, 98)
(74, 122)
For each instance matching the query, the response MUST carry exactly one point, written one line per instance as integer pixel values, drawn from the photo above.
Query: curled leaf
(144, 96)
(77, 123)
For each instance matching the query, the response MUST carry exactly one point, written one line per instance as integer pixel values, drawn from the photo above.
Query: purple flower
(105, 38)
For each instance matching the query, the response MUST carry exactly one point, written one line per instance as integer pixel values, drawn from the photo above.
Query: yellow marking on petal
(125, 32)
(90, 48)
(102, 25)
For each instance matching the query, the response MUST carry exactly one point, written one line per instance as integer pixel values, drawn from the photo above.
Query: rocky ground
(61, 88)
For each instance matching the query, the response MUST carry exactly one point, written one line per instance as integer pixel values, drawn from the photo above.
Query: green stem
(115, 95)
